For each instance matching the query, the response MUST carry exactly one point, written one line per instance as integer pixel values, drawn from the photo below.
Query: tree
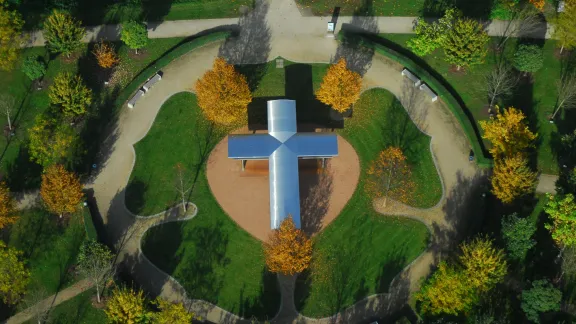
(14, 276)
(565, 26)
(389, 176)
(223, 94)
(182, 184)
(126, 306)
(7, 206)
(512, 178)
(430, 36)
(528, 58)
(446, 292)
(63, 33)
(7, 107)
(96, 263)
(11, 24)
(70, 93)
(562, 212)
(542, 297)
(500, 82)
(517, 233)
(566, 90)
(171, 313)
(33, 67)
(484, 265)
(538, 4)
(507, 132)
(288, 250)
(60, 190)
(34, 303)
(134, 34)
(105, 55)
(340, 87)
(465, 43)
(50, 142)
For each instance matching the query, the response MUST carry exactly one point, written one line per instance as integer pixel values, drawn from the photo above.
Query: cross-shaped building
(282, 146)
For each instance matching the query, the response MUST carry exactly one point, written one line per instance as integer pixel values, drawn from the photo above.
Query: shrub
(528, 58)
(33, 68)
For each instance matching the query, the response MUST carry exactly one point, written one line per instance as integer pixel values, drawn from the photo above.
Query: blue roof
(283, 146)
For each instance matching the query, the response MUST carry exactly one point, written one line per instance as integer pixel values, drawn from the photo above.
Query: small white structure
(561, 6)
(429, 92)
(412, 77)
(136, 97)
(157, 77)
(330, 29)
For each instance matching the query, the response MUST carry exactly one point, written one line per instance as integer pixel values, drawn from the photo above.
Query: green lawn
(77, 310)
(50, 249)
(536, 98)
(14, 161)
(110, 11)
(219, 262)
(210, 256)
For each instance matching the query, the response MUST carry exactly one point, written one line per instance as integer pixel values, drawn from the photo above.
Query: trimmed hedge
(456, 106)
(163, 61)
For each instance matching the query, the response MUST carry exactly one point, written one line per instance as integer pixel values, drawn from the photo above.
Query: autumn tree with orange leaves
(105, 55)
(223, 94)
(340, 87)
(512, 178)
(7, 206)
(389, 176)
(538, 4)
(60, 190)
(288, 250)
(508, 132)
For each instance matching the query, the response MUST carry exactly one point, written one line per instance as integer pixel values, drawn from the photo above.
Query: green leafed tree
(528, 58)
(134, 34)
(565, 26)
(517, 233)
(33, 68)
(14, 276)
(11, 24)
(465, 43)
(51, 142)
(430, 36)
(96, 263)
(562, 212)
(70, 93)
(541, 298)
(63, 33)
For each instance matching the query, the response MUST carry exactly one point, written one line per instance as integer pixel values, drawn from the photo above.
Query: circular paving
(245, 195)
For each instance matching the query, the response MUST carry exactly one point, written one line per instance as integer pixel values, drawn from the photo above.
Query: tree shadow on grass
(136, 195)
(33, 232)
(155, 10)
(470, 8)
(358, 52)
(23, 174)
(315, 191)
(264, 307)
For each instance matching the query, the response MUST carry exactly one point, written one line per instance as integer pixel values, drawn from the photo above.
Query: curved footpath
(289, 39)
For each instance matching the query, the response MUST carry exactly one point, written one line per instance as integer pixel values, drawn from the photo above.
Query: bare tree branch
(566, 88)
(7, 106)
(182, 184)
(526, 20)
(38, 305)
(499, 82)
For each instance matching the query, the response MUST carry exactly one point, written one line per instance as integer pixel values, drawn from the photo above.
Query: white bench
(137, 96)
(412, 77)
(429, 92)
(157, 77)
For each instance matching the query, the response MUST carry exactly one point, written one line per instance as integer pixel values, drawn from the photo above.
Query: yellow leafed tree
(105, 55)
(60, 190)
(340, 87)
(171, 313)
(508, 133)
(389, 176)
(223, 94)
(69, 92)
(7, 206)
(484, 265)
(446, 292)
(512, 178)
(288, 250)
(11, 24)
(14, 276)
(126, 307)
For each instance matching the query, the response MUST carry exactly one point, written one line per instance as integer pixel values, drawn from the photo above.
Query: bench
(429, 92)
(137, 96)
(157, 77)
(412, 77)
